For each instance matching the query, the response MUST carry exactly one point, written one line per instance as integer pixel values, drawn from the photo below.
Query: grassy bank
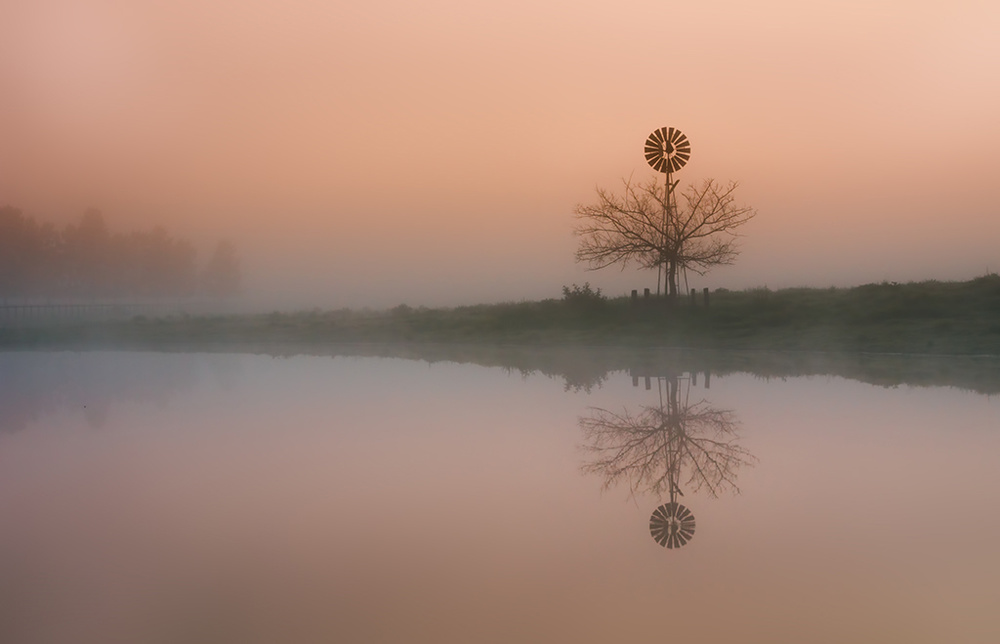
(927, 317)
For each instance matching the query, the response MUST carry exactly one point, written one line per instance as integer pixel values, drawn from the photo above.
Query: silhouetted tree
(29, 255)
(221, 276)
(15, 241)
(639, 226)
(86, 259)
(166, 266)
(87, 255)
(47, 265)
(659, 447)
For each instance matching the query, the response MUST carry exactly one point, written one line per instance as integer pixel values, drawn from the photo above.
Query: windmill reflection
(659, 448)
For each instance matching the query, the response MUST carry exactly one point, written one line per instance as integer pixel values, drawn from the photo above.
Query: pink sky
(432, 152)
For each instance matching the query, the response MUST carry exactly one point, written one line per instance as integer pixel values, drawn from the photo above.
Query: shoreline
(926, 318)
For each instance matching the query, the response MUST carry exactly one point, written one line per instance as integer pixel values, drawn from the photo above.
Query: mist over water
(250, 498)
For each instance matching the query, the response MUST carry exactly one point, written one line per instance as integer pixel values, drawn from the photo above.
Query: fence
(647, 297)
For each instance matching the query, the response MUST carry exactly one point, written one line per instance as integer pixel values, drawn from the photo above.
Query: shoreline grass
(936, 318)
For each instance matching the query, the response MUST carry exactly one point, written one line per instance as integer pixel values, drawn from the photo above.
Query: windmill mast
(667, 149)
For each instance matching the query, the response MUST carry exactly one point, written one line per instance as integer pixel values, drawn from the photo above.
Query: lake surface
(217, 498)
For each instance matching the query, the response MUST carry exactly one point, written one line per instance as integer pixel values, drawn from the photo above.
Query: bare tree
(660, 447)
(644, 226)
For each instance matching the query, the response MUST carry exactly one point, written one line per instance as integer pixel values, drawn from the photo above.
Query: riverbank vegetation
(961, 318)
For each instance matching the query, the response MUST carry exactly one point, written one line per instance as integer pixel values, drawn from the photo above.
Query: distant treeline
(87, 259)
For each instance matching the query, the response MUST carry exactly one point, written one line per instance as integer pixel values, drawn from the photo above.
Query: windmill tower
(672, 525)
(667, 150)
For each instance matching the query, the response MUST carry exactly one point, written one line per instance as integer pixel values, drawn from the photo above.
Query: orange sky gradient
(432, 153)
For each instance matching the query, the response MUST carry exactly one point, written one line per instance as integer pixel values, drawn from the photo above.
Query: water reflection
(36, 384)
(586, 368)
(659, 447)
(350, 500)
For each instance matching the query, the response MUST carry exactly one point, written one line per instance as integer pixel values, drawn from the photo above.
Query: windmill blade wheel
(667, 149)
(672, 525)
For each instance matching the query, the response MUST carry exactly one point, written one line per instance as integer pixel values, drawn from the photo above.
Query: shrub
(584, 300)
(582, 294)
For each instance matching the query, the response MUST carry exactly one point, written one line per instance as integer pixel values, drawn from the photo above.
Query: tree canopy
(87, 259)
(663, 446)
(643, 225)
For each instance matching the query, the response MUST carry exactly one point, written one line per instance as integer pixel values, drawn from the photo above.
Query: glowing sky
(389, 151)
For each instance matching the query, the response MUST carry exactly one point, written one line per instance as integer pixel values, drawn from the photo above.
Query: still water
(246, 498)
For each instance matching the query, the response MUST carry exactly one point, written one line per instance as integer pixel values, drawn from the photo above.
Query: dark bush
(582, 294)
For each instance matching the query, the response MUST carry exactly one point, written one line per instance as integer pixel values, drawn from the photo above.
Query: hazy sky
(432, 152)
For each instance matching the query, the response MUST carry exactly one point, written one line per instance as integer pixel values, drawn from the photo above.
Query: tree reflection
(662, 447)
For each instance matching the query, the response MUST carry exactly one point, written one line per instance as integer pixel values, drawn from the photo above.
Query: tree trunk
(671, 280)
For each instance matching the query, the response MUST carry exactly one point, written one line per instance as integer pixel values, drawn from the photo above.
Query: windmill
(667, 150)
(672, 525)
(659, 448)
